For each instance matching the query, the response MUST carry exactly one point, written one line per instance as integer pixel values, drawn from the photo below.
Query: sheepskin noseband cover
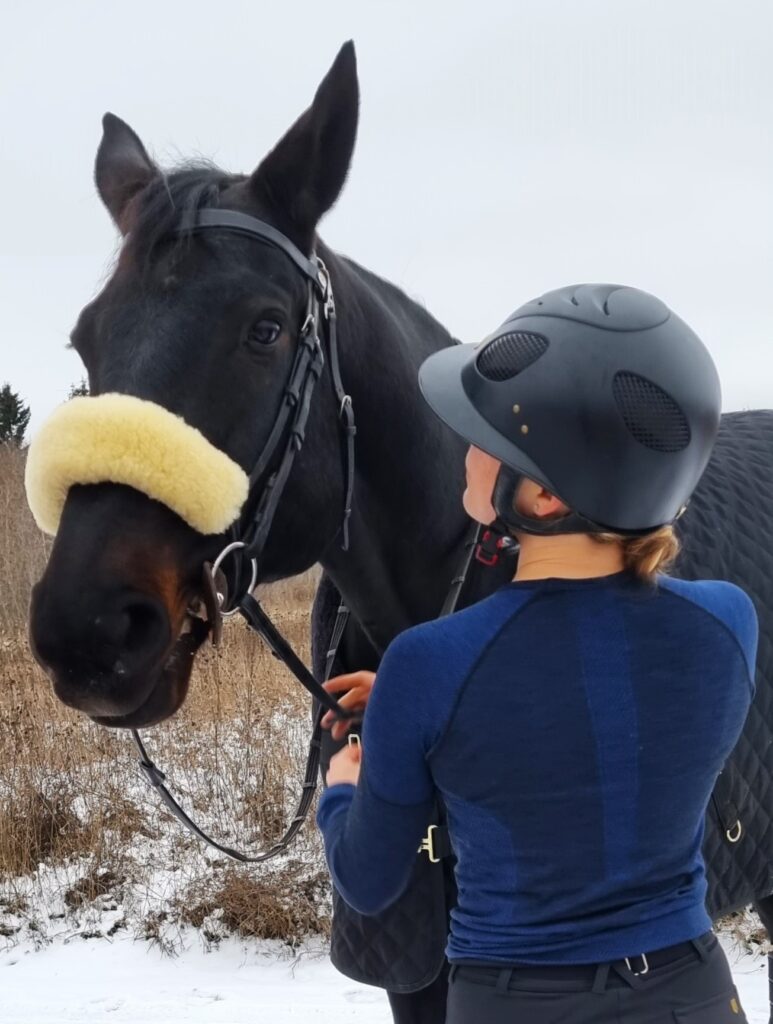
(120, 439)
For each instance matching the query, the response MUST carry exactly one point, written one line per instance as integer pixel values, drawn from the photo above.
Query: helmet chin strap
(503, 499)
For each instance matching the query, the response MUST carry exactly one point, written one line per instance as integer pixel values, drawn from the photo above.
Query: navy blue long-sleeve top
(574, 729)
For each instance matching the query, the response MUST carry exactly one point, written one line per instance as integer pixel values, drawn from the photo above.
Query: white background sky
(505, 148)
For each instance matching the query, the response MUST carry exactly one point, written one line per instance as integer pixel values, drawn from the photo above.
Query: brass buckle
(428, 845)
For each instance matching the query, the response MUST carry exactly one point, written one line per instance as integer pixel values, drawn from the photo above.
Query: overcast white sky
(505, 148)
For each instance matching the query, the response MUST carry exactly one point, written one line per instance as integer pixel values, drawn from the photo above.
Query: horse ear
(303, 175)
(122, 168)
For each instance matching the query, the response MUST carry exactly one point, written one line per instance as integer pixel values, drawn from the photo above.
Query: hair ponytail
(646, 555)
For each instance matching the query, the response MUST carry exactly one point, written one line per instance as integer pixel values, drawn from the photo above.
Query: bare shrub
(35, 827)
(92, 885)
(288, 904)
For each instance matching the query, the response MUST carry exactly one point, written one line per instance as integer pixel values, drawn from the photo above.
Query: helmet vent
(509, 354)
(650, 413)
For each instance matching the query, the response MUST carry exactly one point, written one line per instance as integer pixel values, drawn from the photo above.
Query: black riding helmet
(599, 393)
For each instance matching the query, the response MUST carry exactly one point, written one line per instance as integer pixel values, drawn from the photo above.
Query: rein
(247, 538)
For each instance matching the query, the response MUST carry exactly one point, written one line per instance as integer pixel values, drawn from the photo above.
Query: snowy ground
(124, 981)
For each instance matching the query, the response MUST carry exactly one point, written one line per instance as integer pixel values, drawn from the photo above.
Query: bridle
(247, 537)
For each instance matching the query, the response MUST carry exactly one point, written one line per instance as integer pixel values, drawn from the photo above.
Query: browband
(243, 223)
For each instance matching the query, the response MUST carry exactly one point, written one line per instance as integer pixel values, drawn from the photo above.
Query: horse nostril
(147, 626)
(134, 632)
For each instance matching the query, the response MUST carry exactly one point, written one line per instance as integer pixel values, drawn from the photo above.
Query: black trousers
(696, 989)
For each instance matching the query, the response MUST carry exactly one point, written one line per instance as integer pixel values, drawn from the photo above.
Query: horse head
(206, 326)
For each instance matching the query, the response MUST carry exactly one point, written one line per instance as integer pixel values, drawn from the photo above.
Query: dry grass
(23, 548)
(289, 906)
(78, 828)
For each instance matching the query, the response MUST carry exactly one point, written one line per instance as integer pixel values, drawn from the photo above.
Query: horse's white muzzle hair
(121, 439)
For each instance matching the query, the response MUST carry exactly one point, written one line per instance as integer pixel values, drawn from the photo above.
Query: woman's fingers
(349, 681)
(340, 728)
(359, 686)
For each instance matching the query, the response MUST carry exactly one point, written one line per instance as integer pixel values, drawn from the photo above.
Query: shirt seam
(749, 679)
(435, 747)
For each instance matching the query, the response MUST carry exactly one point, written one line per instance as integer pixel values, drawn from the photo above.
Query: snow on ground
(125, 981)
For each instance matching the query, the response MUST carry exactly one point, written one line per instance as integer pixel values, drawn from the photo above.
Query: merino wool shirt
(574, 730)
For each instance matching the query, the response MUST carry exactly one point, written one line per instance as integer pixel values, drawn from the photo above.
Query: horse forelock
(163, 206)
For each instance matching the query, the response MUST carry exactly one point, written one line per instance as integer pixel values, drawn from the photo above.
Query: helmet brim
(440, 381)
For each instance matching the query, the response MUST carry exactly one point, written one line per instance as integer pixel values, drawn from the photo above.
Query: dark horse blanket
(726, 534)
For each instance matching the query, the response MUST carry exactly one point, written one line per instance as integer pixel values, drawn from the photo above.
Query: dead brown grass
(289, 905)
(23, 548)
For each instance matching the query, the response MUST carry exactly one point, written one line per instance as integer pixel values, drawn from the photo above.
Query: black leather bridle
(247, 538)
(265, 491)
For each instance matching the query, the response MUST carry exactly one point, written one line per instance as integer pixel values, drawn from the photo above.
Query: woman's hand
(359, 685)
(345, 766)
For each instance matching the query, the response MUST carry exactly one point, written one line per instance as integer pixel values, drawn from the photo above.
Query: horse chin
(170, 689)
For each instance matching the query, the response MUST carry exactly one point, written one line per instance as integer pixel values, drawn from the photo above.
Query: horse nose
(130, 633)
(116, 636)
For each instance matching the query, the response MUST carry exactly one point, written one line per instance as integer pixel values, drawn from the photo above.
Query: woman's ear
(546, 505)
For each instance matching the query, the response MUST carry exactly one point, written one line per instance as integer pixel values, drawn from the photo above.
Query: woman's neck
(573, 556)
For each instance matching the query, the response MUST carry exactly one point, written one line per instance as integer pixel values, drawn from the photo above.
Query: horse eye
(264, 332)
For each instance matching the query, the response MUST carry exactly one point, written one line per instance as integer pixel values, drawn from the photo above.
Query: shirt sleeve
(372, 831)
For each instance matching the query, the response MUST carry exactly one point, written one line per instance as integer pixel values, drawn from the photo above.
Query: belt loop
(700, 949)
(600, 980)
(503, 981)
(452, 973)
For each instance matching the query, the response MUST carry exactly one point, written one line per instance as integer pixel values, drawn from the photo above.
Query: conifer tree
(14, 417)
(79, 390)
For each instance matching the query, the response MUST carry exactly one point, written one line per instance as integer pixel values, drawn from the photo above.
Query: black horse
(206, 325)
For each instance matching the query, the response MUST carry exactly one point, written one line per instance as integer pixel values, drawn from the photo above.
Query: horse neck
(407, 524)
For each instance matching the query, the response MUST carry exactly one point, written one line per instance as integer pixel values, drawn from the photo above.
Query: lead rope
(157, 779)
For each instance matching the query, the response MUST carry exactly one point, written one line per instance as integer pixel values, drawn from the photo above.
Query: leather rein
(317, 339)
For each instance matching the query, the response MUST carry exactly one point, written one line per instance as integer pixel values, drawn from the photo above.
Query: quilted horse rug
(727, 533)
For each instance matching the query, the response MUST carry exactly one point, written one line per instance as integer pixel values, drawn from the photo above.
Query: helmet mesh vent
(650, 413)
(509, 354)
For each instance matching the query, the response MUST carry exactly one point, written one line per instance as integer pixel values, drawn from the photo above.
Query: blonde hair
(647, 555)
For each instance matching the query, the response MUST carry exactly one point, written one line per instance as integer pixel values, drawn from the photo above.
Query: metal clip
(234, 546)
(734, 834)
(428, 845)
(354, 740)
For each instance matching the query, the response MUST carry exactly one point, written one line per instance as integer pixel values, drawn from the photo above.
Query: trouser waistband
(630, 971)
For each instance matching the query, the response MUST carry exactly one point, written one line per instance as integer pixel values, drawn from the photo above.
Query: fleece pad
(125, 440)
